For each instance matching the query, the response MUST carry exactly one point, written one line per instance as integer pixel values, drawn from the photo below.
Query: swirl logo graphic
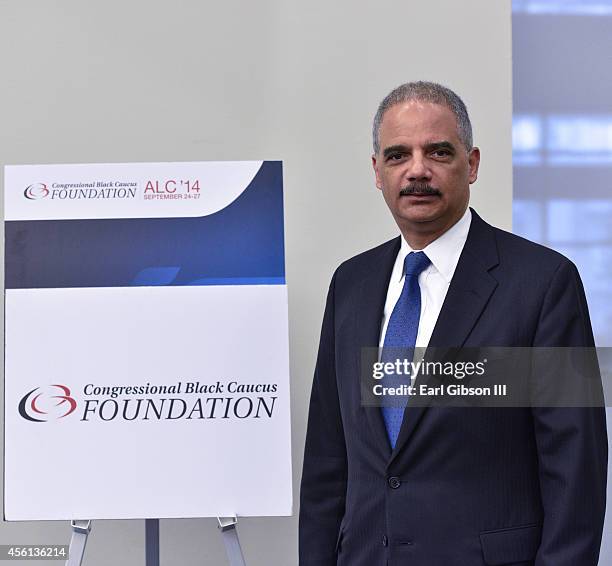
(45, 404)
(36, 191)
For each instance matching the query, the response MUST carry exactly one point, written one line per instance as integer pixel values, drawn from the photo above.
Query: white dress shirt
(434, 281)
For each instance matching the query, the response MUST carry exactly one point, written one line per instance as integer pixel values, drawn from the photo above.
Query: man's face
(423, 169)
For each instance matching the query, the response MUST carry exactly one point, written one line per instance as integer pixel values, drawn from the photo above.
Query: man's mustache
(419, 189)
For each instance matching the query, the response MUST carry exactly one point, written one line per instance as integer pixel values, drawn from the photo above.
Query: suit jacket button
(385, 540)
(394, 482)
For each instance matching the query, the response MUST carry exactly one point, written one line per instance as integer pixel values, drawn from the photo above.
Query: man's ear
(474, 163)
(375, 166)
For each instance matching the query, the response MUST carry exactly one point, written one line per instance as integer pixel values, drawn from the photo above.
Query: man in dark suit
(446, 486)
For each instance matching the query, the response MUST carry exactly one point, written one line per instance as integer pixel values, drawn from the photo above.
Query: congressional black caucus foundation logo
(43, 404)
(36, 191)
(94, 190)
(191, 401)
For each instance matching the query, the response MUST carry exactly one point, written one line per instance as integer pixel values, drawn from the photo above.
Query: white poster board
(146, 354)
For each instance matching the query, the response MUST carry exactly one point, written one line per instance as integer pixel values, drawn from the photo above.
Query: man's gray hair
(425, 92)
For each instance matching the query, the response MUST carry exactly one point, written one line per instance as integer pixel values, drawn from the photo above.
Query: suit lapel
(368, 316)
(470, 289)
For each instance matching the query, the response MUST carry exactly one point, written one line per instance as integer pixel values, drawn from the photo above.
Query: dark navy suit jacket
(463, 486)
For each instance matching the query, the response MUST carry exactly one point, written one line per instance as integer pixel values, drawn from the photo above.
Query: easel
(227, 526)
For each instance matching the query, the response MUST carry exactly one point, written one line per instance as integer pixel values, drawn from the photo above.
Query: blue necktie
(402, 332)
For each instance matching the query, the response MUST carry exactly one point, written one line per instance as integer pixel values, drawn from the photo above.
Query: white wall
(275, 79)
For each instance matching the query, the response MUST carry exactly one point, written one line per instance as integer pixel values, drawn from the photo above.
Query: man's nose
(418, 169)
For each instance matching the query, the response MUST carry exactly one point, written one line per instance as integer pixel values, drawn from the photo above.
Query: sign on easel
(146, 355)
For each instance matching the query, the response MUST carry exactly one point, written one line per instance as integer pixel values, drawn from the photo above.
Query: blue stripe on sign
(244, 242)
(242, 281)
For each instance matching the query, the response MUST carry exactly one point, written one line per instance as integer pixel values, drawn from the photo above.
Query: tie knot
(415, 263)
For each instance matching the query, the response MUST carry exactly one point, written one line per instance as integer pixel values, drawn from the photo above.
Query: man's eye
(394, 156)
(441, 153)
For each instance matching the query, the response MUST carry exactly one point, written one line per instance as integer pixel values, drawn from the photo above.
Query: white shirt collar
(444, 251)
